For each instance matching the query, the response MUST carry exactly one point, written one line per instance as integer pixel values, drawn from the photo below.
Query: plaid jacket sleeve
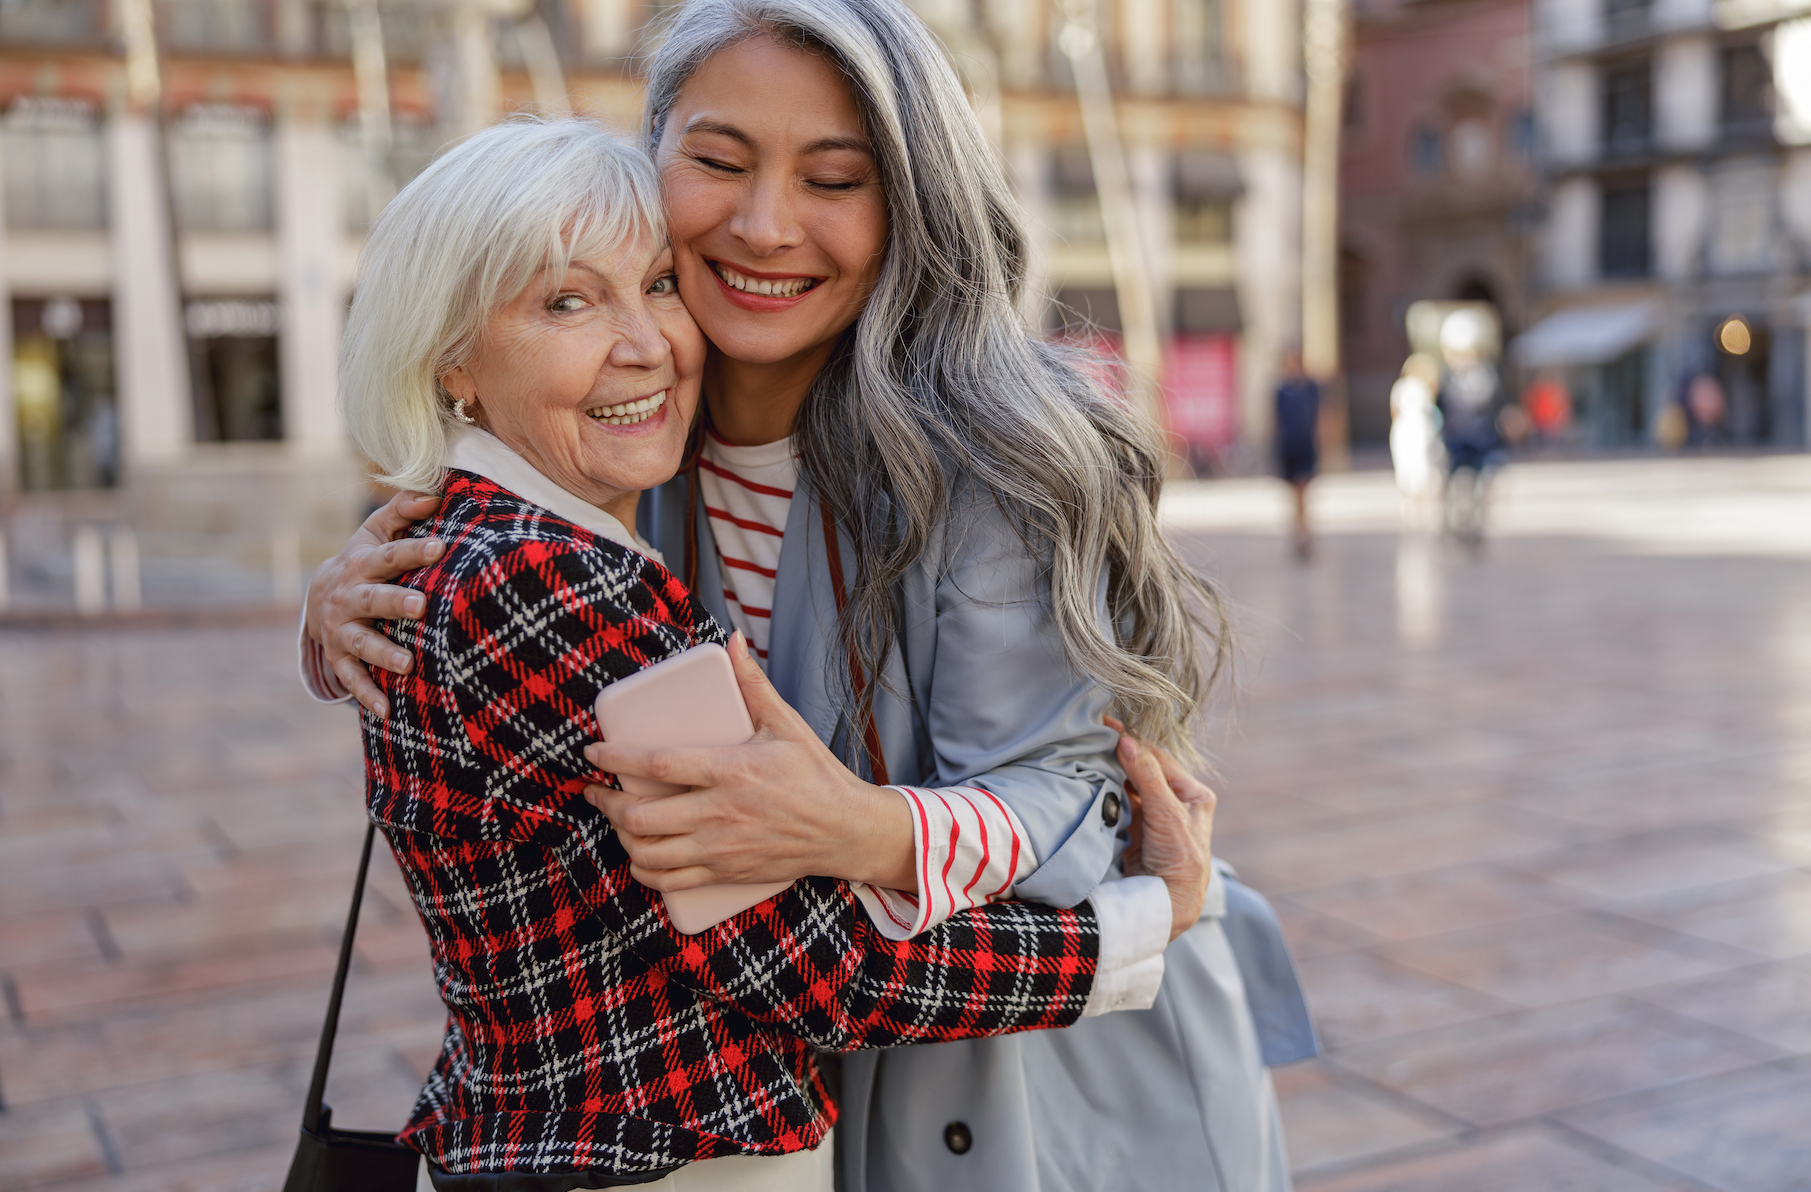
(517, 642)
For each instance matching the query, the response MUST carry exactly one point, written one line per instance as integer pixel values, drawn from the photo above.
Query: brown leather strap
(877, 761)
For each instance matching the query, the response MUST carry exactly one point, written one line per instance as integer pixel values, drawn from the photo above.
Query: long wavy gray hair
(941, 378)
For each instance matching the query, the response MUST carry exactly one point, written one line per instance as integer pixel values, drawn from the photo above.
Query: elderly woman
(517, 342)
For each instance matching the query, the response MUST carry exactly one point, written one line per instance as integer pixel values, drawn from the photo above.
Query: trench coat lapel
(804, 619)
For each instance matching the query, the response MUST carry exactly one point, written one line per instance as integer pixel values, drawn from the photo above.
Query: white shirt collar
(479, 451)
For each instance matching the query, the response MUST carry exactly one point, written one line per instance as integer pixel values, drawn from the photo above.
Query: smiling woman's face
(774, 201)
(592, 374)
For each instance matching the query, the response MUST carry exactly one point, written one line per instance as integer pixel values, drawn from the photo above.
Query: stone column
(1144, 38)
(608, 29)
(1681, 209)
(1685, 92)
(156, 404)
(1028, 161)
(1567, 110)
(311, 219)
(1569, 240)
(1267, 224)
(1149, 166)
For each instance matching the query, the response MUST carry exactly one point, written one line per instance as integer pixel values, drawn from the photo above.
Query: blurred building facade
(1674, 252)
(1436, 178)
(276, 128)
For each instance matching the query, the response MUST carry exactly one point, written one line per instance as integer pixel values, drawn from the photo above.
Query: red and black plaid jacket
(584, 1033)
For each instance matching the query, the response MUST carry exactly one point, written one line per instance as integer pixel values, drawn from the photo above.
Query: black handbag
(329, 1160)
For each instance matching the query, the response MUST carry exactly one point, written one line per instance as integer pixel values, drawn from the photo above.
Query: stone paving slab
(1509, 804)
(1538, 822)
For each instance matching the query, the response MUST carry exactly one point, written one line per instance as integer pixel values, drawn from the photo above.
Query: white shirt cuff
(1134, 919)
(318, 678)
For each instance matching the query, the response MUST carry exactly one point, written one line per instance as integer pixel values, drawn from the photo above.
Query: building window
(409, 29)
(1628, 108)
(52, 22)
(1196, 27)
(215, 25)
(1624, 240)
(1206, 184)
(1084, 314)
(413, 140)
(220, 169)
(233, 363)
(1626, 18)
(1074, 206)
(55, 164)
(1427, 153)
(1741, 234)
(1520, 134)
(1471, 147)
(1747, 93)
(68, 424)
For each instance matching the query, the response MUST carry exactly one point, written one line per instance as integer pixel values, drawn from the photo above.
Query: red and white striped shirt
(971, 847)
(747, 492)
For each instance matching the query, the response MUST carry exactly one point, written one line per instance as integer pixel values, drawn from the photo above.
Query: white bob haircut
(464, 238)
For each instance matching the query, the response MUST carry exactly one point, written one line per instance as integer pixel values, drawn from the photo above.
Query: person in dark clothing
(1298, 411)
(1469, 403)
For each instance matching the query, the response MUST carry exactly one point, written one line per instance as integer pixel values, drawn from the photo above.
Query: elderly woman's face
(774, 201)
(592, 374)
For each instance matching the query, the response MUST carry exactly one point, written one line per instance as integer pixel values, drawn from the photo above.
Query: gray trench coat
(978, 690)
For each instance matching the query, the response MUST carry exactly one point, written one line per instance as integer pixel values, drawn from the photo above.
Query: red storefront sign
(1201, 390)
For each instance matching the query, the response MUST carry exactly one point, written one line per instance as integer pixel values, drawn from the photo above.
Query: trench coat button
(957, 1138)
(1109, 810)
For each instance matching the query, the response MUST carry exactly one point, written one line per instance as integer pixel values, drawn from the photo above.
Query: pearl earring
(459, 413)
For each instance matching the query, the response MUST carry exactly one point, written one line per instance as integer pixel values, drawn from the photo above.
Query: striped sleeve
(971, 850)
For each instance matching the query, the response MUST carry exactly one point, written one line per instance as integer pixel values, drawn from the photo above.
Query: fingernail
(591, 753)
(398, 660)
(383, 709)
(1128, 747)
(413, 606)
(433, 547)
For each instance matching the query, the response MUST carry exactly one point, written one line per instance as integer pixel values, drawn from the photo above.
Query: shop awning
(1585, 335)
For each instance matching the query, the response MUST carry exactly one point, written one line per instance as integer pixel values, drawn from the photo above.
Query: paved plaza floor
(1538, 821)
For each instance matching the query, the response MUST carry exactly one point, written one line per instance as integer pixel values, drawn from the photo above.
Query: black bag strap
(317, 1088)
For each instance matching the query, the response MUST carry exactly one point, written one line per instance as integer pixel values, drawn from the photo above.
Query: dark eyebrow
(832, 144)
(706, 124)
(821, 145)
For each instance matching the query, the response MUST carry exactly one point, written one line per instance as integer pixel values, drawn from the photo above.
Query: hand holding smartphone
(691, 699)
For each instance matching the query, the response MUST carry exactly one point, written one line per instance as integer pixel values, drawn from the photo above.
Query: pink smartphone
(690, 699)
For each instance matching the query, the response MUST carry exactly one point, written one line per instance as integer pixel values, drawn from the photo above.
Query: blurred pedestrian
(1705, 408)
(1298, 412)
(103, 442)
(1469, 396)
(1415, 450)
(1672, 426)
(1549, 406)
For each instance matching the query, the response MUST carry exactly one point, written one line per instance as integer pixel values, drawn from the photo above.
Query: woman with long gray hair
(942, 540)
